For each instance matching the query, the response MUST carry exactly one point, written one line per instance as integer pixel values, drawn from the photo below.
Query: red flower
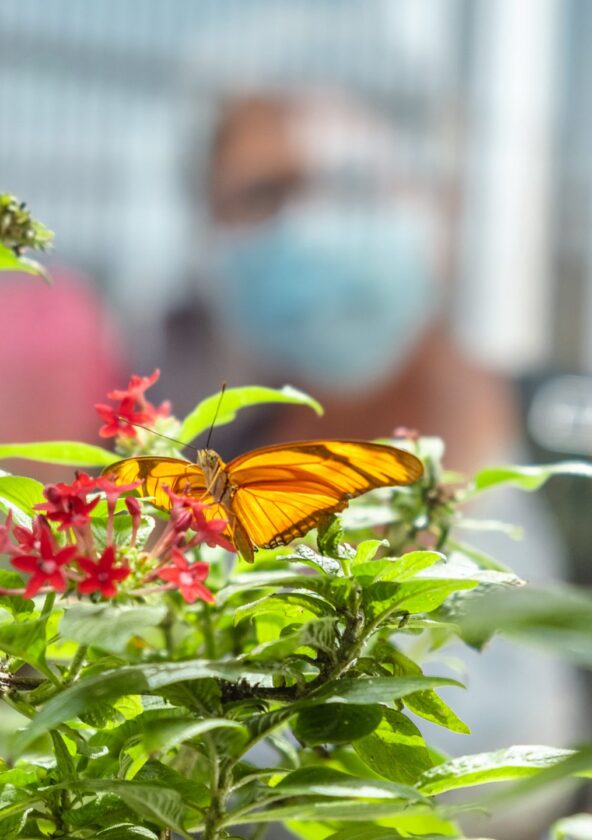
(45, 568)
(188, 577)
(66, 503)
(101, 575)
(113, 491)
(188, 512)
(133, 408)
(136, 388)
(210, 531)
(29, 540)
(120, 420)
(134, 509)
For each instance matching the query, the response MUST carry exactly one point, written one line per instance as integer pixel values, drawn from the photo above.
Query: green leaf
(340, 810)
(413, 596)
(576, 763)
(336, 723)
(125, 831)
(367, 832)
(429, 705)
(293, 607)
(378, 689)
(168, 733)
(482, 768)
(324, 781)
(122, 530)
(330, 535)
(395, 750)
(559, 619)
(67, 452)
(64, 761)
(158, 804)
(104, 687)
(108, 626)
(399, 569)
(14, 604)
(9, 261)
(235, 399)
(526, 478)
(26, 641)
(19, 494)
(367, 550)
(319, 635)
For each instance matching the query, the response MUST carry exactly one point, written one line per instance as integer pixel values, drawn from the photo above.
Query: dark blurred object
(558, 420)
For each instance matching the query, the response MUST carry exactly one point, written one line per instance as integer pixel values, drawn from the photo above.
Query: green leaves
(379, 689)
(395, 750)
(110, 627)
(527, 478)
(119, 682)
(336, 723)
(19, 494)
(324, 781)
(558, 619)
(469, 770)
(67, 452)
(234, 400)
(156, 803)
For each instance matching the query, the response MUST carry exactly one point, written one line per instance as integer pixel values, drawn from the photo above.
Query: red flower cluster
(133, 407)
(68, 558)
(38, 554)
(52, 565)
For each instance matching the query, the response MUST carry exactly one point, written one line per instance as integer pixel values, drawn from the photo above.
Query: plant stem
(208, 632)
(77, 663)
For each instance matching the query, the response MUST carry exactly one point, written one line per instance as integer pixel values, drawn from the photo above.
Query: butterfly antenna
(158, 434)
(222, 390)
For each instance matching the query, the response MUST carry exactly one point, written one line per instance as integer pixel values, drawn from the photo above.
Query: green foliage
(66, 452)
(298, 697)
(19, 231)
(204, 415)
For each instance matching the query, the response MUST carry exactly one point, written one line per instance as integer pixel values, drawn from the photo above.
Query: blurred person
(329, 260)
(61, 354)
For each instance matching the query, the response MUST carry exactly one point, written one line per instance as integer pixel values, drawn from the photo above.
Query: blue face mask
(331, 297)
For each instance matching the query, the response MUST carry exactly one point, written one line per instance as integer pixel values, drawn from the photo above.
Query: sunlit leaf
(528, 477)
(482, 768)
(235, 399)
(396, 749)
(67, 452)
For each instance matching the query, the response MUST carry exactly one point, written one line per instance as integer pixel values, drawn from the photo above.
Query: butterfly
(272, 495)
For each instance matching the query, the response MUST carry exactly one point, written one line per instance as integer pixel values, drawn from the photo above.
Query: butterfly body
(272, 495)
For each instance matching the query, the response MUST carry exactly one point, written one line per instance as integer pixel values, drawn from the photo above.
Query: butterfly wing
(155, 473)
(283, 491)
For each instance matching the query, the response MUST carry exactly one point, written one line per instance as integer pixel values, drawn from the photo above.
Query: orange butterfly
(272, 495)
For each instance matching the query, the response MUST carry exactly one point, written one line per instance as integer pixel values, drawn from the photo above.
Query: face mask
(331, 297)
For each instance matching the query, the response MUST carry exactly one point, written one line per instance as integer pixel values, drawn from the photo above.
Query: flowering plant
(157, 684)
(153, 684)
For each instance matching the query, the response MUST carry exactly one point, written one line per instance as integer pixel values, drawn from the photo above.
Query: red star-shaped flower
(210, 531)
(101, 574)
(136, 387)
(67, 504)
(188, 577)
(46, 567)
(120, 420)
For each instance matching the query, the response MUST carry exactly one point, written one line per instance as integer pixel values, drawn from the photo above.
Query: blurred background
(387, 204)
